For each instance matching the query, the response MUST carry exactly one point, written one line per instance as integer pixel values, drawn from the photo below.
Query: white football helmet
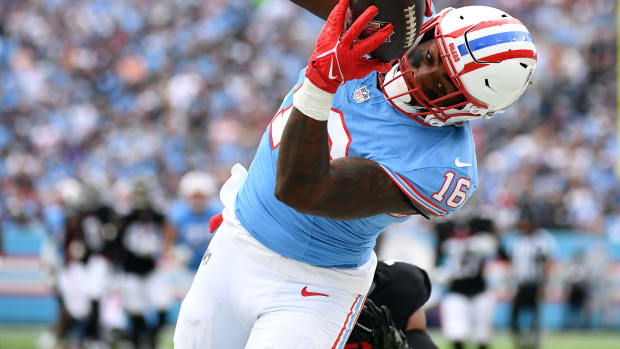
(196, 182)
(489, 55)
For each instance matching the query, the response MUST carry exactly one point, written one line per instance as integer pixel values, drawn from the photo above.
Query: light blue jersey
(434, 166)
(192, 228)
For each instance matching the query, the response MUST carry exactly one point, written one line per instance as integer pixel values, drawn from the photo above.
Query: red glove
(215, 222)
(338, 58)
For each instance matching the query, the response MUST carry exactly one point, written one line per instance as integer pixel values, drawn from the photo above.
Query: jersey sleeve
(435, 191)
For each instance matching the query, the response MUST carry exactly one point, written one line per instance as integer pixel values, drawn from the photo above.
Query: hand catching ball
(407, 17)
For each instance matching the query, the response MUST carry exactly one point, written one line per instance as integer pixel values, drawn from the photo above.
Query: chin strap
(458, 121)
(433, 121)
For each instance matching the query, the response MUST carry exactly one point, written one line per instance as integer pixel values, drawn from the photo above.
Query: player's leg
(241, 282)
(296, 305)
(134, 303)
(98, 271)
(534, 302)
(323, 318)
(159, 291)
(234, 294)
(517, 304)
(207, 318)
(71, 283)
(455, 322)
(113, 316)
(483, 312)
(526, 299)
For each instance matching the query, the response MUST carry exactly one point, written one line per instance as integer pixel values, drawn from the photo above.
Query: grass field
(24, 337)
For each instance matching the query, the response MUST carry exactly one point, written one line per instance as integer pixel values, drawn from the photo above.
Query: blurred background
(120, 120)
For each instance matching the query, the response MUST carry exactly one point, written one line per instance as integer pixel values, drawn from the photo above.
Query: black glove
(384, 334)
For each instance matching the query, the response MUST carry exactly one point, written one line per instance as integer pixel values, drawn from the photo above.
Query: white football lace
(410, 25)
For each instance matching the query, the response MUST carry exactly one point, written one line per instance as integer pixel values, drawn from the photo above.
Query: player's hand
(384, 335)
(338, 58)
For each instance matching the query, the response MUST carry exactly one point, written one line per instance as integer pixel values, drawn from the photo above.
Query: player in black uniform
(144, 288)
(99, 227)
(467, 307)
(393, 316)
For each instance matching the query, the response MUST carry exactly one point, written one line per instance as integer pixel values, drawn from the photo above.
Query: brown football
(406, 16)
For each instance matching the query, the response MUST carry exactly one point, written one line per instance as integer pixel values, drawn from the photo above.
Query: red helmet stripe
(498, 57)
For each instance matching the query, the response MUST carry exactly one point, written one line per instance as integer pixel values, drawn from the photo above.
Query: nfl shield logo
(361, 94)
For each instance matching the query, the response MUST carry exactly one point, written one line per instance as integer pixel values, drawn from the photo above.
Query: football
(406, 16)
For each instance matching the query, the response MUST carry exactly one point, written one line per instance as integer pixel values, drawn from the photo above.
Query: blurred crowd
(107, 91)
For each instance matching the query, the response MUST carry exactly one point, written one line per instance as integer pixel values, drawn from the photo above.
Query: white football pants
(464, 318)
(247, 296)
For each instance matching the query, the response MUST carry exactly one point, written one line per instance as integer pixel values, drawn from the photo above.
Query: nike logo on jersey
(458, 163)
(331, 75)
(306, 293)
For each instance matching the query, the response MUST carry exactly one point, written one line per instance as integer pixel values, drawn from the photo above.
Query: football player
(141, 235)
(190, 216)
(392, 316)
(356, 145)
(98, 224)
(467, 308)
(62, 261)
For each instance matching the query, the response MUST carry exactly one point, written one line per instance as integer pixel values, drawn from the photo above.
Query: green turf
(18, 337)
(24, 337)
(554, 340)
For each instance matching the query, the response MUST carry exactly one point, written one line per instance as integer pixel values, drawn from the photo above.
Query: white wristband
(312, 101)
